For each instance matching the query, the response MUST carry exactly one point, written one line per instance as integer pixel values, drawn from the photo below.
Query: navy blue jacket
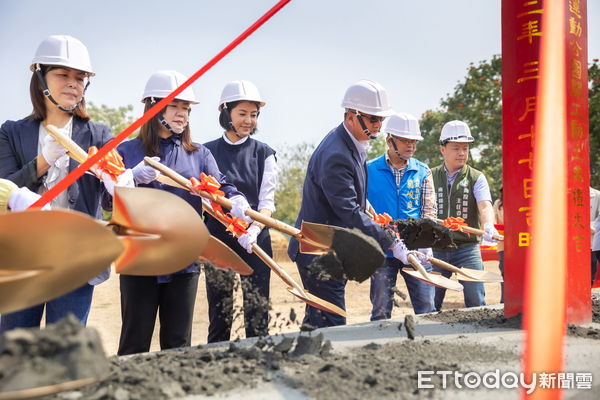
(19, 149)
(335, 189)
(174, 156)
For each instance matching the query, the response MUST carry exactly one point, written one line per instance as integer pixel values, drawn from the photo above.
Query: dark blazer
(19, 149)
(334, 190)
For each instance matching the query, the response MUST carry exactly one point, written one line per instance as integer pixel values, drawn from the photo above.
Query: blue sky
(302, 60)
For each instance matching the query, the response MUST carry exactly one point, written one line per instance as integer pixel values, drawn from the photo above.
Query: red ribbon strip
(211, 185)
(111, 164)
(382, 219)
(208, 184)
(455, 224)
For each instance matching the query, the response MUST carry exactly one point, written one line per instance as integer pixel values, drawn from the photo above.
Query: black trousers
(142, 297)
(255, 289)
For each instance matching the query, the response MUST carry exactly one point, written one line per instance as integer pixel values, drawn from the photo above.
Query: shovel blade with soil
(161, 232)
(323, 238)
(293, 287)
(63, 248)
(221, 256)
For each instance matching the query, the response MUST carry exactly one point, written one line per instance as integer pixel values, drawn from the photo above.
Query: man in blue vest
(462, 191)
(335, 191)
(402, 187)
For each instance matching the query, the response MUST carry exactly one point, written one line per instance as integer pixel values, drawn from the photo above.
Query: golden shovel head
(64, 248)
(16, 275)
(434, 279)
(475, 275)
(221, 256)
(317, 302)
(161, 232)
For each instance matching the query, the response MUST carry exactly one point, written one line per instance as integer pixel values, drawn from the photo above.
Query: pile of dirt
(495, 319)
(481, 317)
(62, 352)
(306, 364)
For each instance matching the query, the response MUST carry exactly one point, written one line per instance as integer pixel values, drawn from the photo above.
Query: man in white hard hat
(335, 189)
(462, 191)
(401, 186)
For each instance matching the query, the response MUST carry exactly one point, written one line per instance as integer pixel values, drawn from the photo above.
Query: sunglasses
(371, 118)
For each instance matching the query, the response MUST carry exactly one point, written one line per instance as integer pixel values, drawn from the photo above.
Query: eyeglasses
(371, 118)
(405, 141)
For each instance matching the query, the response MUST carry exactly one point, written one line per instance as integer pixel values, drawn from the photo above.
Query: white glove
(490, 231)
(248, 239)
(125, 179)
(423, 255)
(240, 205)
(143, 173)
(400, 251)
(52, 150)
(21, 198)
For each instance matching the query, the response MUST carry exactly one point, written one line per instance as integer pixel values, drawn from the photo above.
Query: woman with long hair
(167, 137)
(29, 157)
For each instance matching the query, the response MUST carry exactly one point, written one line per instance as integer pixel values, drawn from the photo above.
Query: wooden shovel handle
(468, 229)
(75, 152)
(255, 215)
(444, 264)
(412, 260)
(261, 254)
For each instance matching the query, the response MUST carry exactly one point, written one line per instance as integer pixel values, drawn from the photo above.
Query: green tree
(594, 110)
(477, 100)
(117, 118)
(376, 147)
(292, 162)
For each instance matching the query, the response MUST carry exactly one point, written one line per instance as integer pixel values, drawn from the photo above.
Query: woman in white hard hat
(31, 158)
(251, 166)
(167, 136)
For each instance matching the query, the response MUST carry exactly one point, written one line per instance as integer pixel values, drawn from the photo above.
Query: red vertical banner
(578, 164)
(521, 34)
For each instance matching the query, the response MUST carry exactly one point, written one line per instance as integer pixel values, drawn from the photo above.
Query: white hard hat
(368, 97)
(240, 90)
(64, 51)
(162, 83)
(403, 125)
(456, 131)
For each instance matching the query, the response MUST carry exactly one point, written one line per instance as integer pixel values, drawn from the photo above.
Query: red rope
(89, 163)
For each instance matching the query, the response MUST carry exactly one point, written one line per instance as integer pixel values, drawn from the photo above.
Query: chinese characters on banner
(521, 33)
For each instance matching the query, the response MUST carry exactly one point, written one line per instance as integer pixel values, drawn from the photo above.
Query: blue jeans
(467, 257)
(77, 302)
(384, 279)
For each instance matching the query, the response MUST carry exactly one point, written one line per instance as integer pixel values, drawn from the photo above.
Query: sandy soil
(105, 315)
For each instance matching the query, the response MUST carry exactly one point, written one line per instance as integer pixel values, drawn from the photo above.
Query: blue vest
(385, 196)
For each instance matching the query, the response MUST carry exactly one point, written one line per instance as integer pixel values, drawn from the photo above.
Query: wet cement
(308, 365)
(355, 257)
(62, 352)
